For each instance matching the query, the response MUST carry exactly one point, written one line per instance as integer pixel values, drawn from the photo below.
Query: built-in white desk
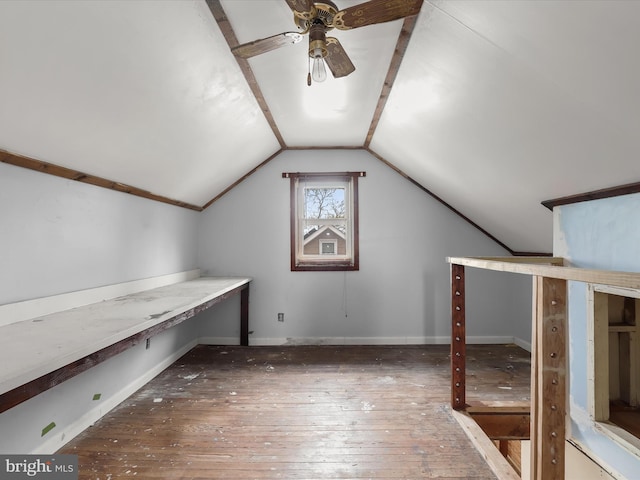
(39, 353)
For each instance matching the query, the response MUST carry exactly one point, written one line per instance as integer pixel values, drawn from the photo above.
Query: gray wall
(400, 294)
(57, 236)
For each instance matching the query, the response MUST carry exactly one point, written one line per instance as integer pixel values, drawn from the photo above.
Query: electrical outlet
(281, 317)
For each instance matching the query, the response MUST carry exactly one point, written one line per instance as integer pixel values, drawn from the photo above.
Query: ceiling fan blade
(337, 59)
(302, 8)
(375, 11)
(263, 45)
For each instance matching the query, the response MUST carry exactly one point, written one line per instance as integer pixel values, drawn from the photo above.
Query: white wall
(400, 294)
(58, 236)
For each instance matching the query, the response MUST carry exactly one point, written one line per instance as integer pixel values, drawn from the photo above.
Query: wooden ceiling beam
(316, 147)
(401, 47)
(58, 171)
(230, 36)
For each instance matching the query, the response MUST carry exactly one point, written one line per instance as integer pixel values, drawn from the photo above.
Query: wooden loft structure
(542, 421)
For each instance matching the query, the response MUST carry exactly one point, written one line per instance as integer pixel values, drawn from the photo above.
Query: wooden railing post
(458, 338)
(548, 395)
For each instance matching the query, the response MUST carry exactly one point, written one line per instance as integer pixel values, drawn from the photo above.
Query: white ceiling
(497, 105)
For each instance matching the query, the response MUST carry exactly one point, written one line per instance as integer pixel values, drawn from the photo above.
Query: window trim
(327, 263)
(598, 367)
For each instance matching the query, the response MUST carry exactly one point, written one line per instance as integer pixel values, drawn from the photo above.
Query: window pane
(324, 203)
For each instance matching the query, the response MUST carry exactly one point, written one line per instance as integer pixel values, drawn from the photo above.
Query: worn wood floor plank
(304, 412)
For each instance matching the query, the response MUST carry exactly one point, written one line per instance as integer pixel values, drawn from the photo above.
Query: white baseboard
(489, 340)
(219, 341)
(19, 311)
(522, 344)
(439, 340)
(89, 418)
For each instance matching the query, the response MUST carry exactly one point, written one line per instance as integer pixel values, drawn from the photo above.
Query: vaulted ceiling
(492, 106)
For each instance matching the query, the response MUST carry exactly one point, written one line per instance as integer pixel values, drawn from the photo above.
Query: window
(324, 221)
(614, 341)
(328, 247)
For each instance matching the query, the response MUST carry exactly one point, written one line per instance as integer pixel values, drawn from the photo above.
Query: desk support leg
(244, 317)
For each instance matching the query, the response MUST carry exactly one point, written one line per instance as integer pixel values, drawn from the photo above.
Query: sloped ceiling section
(496, 106)
(500, 105)
(138, 92)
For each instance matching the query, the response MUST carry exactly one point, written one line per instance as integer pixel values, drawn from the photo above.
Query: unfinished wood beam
(458, 339)
(502, 424)
(534, 407)
(548, 394)
(598, 323)
(602, 277)
(529, 259)
(500, 466)
(503, 446)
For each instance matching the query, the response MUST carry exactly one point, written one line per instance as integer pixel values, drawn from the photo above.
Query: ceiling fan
(319, 17)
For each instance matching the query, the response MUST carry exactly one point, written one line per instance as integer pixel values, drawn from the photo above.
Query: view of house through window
(324, 221)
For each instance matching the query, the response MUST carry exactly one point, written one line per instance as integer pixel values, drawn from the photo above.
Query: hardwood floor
(303, 412)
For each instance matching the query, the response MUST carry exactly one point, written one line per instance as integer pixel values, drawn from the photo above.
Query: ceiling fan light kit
(316, 19)
(317, 51)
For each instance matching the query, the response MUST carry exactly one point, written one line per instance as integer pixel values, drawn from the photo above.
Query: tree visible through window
(324, 221)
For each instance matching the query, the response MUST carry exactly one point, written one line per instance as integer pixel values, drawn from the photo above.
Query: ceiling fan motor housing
(317, 39)
(324, 13)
